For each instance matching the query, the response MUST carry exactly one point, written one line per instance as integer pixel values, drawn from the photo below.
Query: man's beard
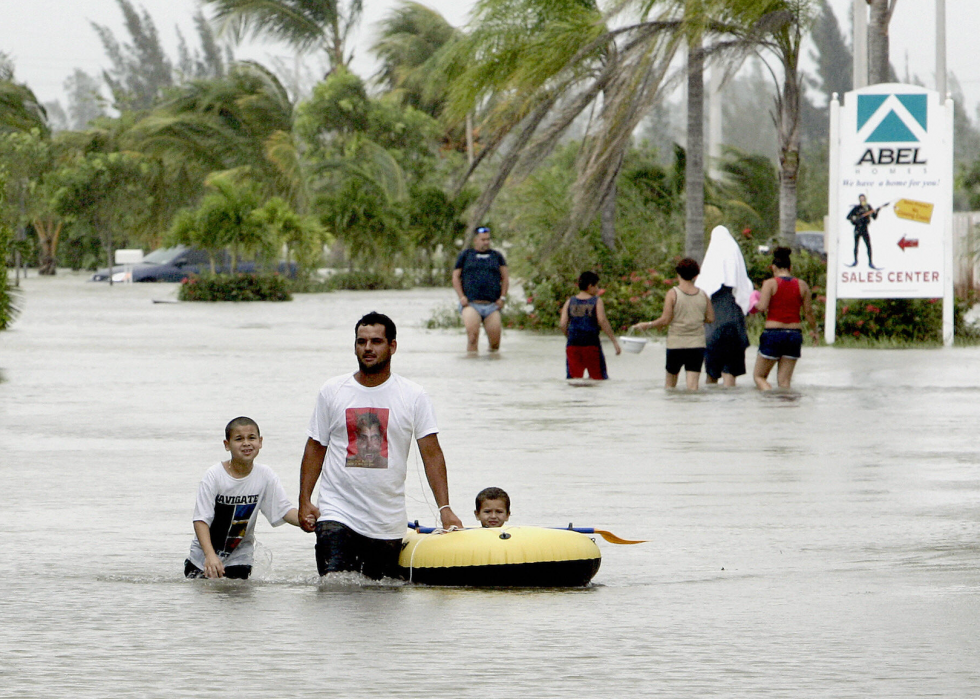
(378, 368)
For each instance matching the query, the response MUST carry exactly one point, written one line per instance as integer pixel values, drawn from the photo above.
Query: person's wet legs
(472, 322)
(784, 374)
(493, 325)
(761, 372)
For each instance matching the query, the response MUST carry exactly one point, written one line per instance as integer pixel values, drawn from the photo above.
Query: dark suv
(173, 265)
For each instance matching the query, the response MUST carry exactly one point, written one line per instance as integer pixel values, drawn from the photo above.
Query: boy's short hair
(688, 268)
(375, 318)
(587, 279)
(241, 421)
(492, 494)
(780, 258)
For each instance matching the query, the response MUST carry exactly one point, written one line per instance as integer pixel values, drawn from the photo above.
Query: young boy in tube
(229, 499)
(492, 507)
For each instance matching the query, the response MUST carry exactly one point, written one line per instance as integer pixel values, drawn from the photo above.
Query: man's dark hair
(688, 269)
(375, 318)
(492, 494)
(587, 279)
(780, 258)
(241, 422)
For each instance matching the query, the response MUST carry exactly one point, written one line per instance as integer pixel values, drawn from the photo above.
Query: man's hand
(463, 301)
(500, 303)
(449, 518)
(308, 515)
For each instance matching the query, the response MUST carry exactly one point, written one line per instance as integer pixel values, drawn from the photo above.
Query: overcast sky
(48, 39)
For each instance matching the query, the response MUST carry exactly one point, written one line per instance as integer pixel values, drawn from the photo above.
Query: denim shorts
(776, 343)
(484, 309)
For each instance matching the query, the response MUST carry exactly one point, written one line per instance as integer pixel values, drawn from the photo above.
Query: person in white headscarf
(724, 279)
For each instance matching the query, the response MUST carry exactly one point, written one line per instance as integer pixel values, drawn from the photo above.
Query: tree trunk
(789, 155)
(607, 218)
(48, 233)
(694, 171)
(878, 19)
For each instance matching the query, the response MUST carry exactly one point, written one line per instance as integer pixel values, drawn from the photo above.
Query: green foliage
(8, 309)
(896, 321)
(355, 280)
(235, 287)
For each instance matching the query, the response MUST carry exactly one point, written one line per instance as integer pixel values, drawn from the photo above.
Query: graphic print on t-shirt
(367, 437)
(231, 516)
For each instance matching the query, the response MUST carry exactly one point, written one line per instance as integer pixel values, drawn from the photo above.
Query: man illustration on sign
(860, 217)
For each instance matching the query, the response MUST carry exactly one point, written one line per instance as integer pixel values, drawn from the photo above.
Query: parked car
(811, 241)
(176, 264)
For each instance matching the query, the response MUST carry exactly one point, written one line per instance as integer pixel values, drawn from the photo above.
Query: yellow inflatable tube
(500, 557)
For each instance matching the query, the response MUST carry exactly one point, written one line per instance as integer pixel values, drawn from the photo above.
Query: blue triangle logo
(918, 107)
(891, 130)
(867, 106)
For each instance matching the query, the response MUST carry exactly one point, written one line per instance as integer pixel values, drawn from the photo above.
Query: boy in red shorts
(582, 317)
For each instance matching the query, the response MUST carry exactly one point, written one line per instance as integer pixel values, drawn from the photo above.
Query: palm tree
(242, 120)
(308, 25)
(879, 68)
(530, 68)
(411, 42)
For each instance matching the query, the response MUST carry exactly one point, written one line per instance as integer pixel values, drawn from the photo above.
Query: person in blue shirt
(481, 281)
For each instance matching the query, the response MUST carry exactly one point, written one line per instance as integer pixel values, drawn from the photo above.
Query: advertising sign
(894, 193)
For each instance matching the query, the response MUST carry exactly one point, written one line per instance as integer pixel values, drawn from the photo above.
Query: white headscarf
(724, 265)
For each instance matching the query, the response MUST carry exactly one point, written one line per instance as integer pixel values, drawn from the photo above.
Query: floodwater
(819, 543)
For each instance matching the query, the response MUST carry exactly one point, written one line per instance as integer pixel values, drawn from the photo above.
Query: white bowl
(633, 345)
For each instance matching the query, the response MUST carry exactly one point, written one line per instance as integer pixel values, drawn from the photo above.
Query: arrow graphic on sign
(908, 243)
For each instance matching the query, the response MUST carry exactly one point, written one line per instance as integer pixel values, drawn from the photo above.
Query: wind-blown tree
(307, 25)
(531, 68)
(244, 119)
(365, 156)
(30, 159)
(302, 236)
(879, 66)
(411, 41)
(226, 219)
(141, 71)
(20, 109)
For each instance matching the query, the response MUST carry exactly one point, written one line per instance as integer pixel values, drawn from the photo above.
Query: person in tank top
(785, 300)
(686, 310)
(582, 317)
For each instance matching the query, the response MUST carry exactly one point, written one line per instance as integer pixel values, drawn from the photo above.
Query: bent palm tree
(308, 25)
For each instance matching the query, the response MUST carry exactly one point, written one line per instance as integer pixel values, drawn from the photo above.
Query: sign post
(891, 198)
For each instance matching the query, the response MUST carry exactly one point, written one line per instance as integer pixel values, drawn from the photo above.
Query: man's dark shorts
(339, 548)
(233, 572)
(690, 359)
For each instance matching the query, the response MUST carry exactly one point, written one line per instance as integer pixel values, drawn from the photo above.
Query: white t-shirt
(368, 435)
(230, 506)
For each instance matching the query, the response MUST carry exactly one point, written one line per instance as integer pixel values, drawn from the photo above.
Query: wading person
(357, 465)
(229, 499)
(724, 279)
(481, 281)
(686, 310)
(582, 317)
(860, 217)
(783, 299)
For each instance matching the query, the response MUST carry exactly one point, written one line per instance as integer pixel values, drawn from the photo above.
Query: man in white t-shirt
(356, 459)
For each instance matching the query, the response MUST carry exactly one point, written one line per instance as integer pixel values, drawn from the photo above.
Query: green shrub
(235, 287)
(351, 281)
